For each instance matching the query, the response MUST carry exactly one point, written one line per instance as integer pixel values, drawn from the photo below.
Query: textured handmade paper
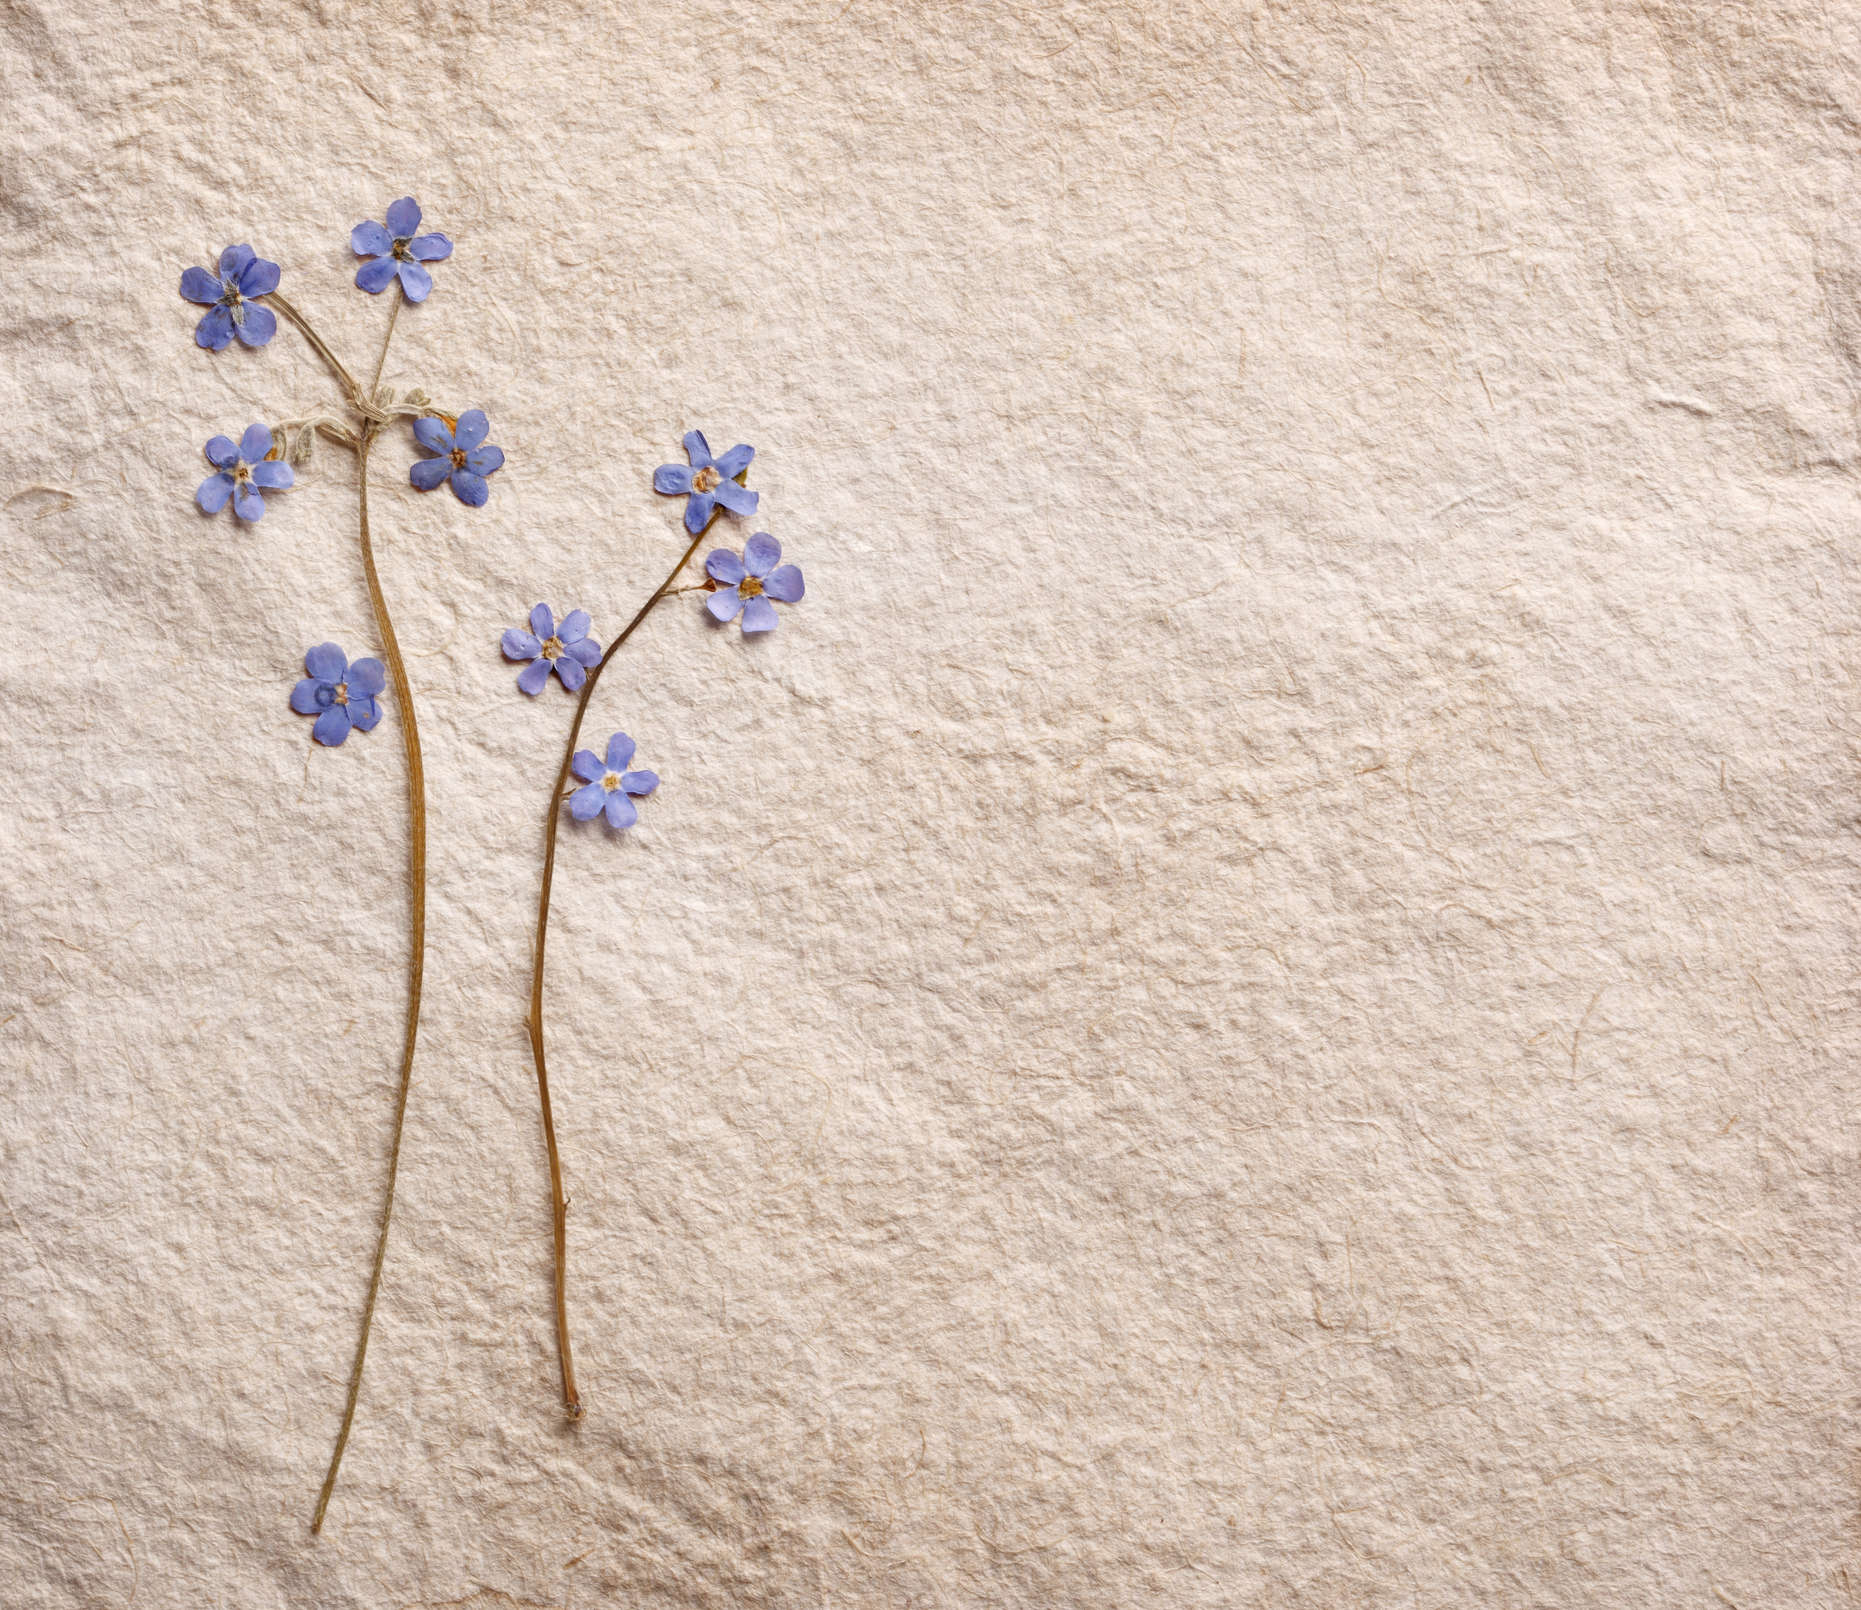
(1251, 1004)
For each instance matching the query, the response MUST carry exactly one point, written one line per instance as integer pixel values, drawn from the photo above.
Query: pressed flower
(243, 469)
(747, 584)
(338, 694)
(707, 482)
(398, 249)
(609, 786)
(461, 455)
(228, 299)
(567, 649)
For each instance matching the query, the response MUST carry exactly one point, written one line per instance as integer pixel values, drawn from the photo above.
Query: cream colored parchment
(1251, 1004)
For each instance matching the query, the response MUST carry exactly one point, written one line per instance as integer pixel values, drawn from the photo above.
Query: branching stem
(559, 1203)
(367, 429)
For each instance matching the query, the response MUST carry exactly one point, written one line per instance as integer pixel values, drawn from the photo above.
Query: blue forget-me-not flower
(228, 299)
(242, 470)
(338, 694)
(398, 249)
(706, 481)
(461, 456)
(608, 787)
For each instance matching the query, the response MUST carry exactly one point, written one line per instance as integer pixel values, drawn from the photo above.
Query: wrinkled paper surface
(1251, 1003)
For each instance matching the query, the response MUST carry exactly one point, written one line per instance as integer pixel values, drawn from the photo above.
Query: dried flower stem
(559, 1204)
(367, 429)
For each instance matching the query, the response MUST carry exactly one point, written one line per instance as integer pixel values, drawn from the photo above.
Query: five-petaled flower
(338, 694)
(567, 649)
(398, 249)
(749, 583)
(228, 299)
(607, 786)
(707, 481)
(242, 470)
(461, 455)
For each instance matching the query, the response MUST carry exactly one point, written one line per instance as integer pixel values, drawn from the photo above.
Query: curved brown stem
(559, 1204)
(416, 805)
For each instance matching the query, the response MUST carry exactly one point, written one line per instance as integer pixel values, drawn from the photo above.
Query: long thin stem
(416, 813)
(571, 1398)
(393, 317)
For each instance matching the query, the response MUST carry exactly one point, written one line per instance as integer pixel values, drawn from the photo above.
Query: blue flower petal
(584, 650)
(760, 554)
(574, 626)
(427, 473)
(531, 679)
(724, 605)
(430, 248)
(327, 663)
(621, 812)
(672, 479)
(585, 803)
(470, 489)
(364, 713)
(486, 460)
(233, 263)
(213, 493)
(332, 726)
(259, 278)
(403, 218)
(639, 782)
(222, 452)
(572, 672)
(542, 622)
(415, 281)
(247, 504)
(738, 500)
(273, 474)
(255, 444)
(431, 433)
(367, 677)
(587, 766)
(724, 566)
(376, 275)
(520, 645)
(473, 428)
(697, 449)
(215, 331)
(304, 698)
(259, 326)
(619, 751)
(369, 239)
(758, 616)
(698, 508)
(785, 585)
(197, 285)
(735, 462)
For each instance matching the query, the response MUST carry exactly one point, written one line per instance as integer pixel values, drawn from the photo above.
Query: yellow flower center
(458, 458)
(342, 692)
(749, 587)
(552, 648)
(611, 781)
(242, 471)
(705, 480)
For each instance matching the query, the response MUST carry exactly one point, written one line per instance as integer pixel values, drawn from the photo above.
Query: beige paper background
(1252, 1003)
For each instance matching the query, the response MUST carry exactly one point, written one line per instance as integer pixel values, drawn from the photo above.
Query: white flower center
(611, 781)
(342, 692)
(552, 648)
(705, 480)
